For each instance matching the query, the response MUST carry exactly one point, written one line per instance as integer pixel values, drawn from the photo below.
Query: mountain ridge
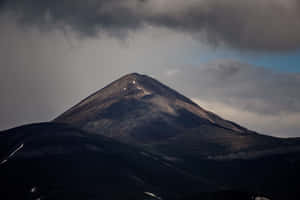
(140, 110)
(169, 139)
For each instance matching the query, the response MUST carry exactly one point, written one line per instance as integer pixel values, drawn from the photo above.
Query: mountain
(139, 139)
(139, 110)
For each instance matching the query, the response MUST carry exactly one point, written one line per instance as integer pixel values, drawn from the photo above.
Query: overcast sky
(239, 59)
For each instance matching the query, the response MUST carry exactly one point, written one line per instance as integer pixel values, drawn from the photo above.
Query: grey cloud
(87, 17)
(255, 97)
(266, 25)
(243, 86)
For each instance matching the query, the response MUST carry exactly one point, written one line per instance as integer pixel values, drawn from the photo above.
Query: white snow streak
(3, 161)
(152, 195)
(33, 190)
(15, 151)
(261, 198)
(12, 154)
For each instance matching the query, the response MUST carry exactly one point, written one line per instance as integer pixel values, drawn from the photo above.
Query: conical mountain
(175, 148)
(138, 108)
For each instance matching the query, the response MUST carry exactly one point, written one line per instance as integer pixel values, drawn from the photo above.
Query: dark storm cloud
(267, 25)
(87, 17)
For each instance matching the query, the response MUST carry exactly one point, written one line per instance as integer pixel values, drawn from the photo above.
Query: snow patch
(261, 198)
(16, 150)
(144, 91)
(3, 161)
(12, 154)
(152, 195)
(33, 189)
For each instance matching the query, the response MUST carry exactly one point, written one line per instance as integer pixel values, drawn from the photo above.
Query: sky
(239, 59)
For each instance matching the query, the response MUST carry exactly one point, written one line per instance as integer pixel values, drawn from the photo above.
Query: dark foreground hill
(55, 161)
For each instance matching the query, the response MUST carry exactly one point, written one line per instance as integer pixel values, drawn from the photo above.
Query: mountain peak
(148, 85)
(138, 107)
(134, 75)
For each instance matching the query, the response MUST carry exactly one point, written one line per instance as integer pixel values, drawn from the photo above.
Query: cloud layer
(242, 85)
(258, 98)
(265, 25)
(45, 70)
